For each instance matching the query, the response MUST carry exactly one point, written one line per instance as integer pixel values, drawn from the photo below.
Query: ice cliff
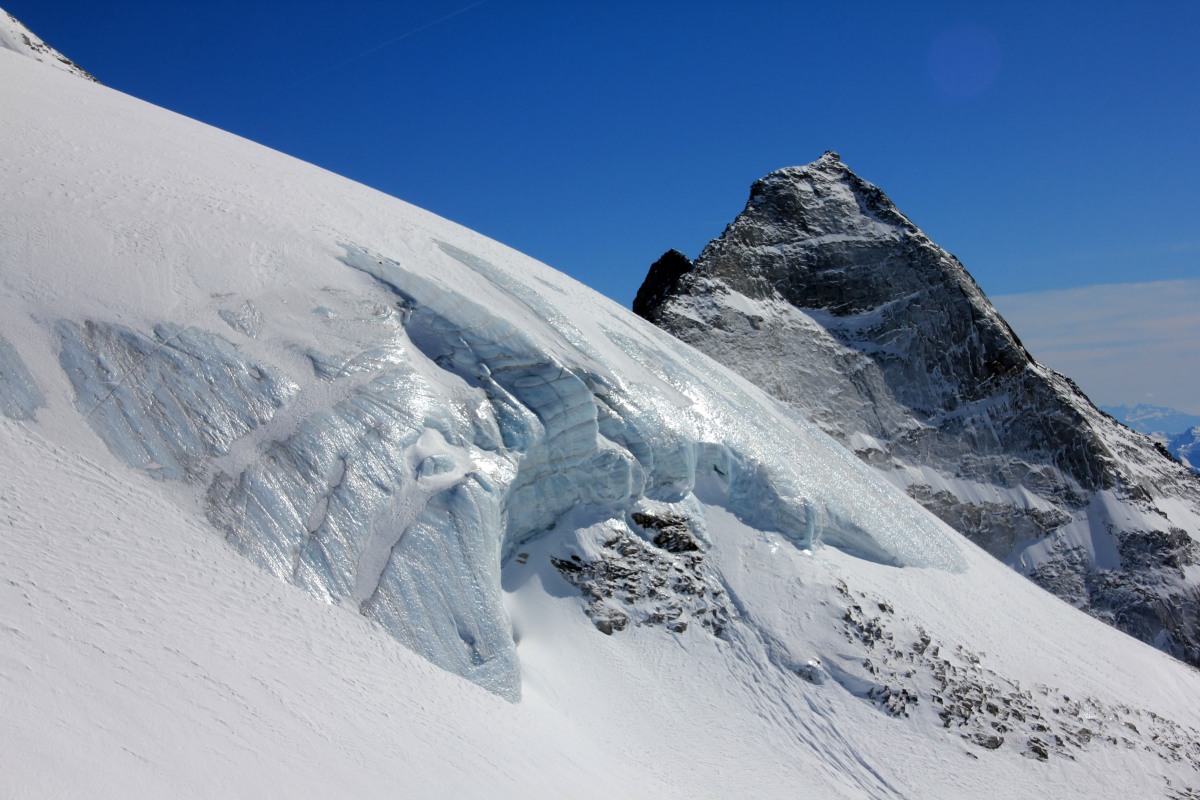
(433, 434)
(367, 401)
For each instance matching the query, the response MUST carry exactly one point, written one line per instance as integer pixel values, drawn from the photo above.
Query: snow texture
(16, 37)
(290, 431)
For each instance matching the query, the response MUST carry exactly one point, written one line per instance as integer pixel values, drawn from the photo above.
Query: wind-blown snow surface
(227, 371)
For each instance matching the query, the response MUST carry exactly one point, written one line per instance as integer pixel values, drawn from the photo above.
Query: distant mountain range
(1186, 447)
(1158, 421)
(1176, 431)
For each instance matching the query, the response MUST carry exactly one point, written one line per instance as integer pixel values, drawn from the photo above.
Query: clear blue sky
(1058, 147)
(1048, 145)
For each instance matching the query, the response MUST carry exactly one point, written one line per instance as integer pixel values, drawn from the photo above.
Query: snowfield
(305, 491)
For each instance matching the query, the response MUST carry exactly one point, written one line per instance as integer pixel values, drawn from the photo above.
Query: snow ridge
(16, 37)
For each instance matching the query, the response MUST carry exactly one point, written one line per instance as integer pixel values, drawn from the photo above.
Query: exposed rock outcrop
(825, 295)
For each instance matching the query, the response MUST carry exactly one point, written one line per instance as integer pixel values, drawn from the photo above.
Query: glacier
(20, 397)
(305, 490)
(403, 476)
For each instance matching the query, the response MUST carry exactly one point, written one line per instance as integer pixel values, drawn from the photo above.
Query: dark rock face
(904, 668)
(670, 532)
(829, 298)
(667, 584)
(660, 282)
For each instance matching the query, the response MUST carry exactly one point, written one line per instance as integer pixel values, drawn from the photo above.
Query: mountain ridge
(303, 486)
(828, 297)
(17, 38)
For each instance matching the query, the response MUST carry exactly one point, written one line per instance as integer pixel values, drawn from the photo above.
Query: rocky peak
(820, 238)
(660, 282)
(825, 198)
(825, 295)
(16, 37)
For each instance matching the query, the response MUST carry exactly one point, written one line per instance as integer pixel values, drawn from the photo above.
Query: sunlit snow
(227, 371)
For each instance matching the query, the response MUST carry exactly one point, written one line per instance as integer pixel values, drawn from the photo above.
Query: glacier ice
(166, 404)
(20, 397)
(435, 434)
(606, 431)
(385, 502)
(246, 319)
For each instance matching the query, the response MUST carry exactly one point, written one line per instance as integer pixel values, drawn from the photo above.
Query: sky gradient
(1124, 343)
(1050, 146)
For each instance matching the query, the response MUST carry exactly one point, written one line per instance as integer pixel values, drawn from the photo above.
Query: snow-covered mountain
(16, 37)
(825, 295)
(265, 433)
(1186, 447)
(1154, 421)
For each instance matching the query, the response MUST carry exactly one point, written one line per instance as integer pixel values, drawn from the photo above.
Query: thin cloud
(1123, 343)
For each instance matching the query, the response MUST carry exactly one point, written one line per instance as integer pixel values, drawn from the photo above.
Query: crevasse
(448, 435)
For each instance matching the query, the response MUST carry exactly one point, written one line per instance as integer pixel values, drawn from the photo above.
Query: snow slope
(266, 431)
(16, 37)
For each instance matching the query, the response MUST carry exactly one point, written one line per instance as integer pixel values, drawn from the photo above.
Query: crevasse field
(306, 491)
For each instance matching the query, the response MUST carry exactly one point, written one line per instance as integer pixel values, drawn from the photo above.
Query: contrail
(381, 46)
